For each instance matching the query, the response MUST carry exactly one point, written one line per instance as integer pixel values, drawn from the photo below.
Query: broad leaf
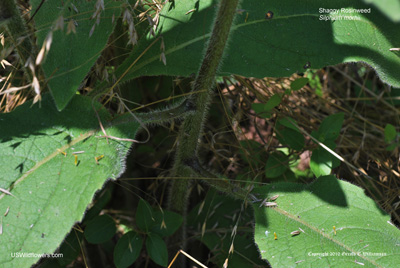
(337, 226)
(144, 216)
(49, 191)
(167, 222)
(294, 36)
(289, 123)
(299, 83)
(322, 162)
(290, 137)
(72, 55)
(260, 110)
(274, 101)
(127, 249)
(330, 127)
(157, 249)
(264, 109)
(387, 7)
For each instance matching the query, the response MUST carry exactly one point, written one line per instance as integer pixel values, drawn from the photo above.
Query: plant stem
(192, 128)
(158, 117)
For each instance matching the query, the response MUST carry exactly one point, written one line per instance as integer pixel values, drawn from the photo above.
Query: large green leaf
(295, 38)
(72, 55)
(49, 191)
(364, 235)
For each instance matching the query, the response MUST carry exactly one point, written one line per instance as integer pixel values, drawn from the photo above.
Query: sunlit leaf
(335, 224)
(37, 165)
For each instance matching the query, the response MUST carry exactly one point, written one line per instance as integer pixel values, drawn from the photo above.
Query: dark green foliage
(100, 229)
(127, 249)
(55, 155)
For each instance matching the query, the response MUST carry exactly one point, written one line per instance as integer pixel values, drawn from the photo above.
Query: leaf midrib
(51, 156)
(325, 235)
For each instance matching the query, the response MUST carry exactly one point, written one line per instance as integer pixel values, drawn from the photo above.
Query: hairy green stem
(191, 130)
(167, 115)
